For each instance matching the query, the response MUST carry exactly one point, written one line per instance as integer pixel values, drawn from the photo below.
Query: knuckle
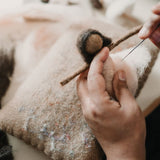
(94, 113)
(90, 112)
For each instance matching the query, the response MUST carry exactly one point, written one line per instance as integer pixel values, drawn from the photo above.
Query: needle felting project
(37, 109)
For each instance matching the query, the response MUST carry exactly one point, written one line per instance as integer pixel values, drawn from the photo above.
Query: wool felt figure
(36, 108)
(91, 42)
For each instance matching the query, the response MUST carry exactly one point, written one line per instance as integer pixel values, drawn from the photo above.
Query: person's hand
(119, 126)
(151, 29)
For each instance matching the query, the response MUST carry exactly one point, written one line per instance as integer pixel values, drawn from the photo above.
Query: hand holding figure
(119, 126)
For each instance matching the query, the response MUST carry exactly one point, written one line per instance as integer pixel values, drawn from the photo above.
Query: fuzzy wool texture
(127, 8)
(37, 109)
(39, 114)
(149, 96)
(43, 113)
(134, 67)
(138, 59)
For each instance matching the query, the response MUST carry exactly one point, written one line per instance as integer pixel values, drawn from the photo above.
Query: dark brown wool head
(90, 43)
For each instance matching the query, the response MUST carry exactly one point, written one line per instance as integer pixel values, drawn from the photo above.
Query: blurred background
(142, 7)
(7, 4)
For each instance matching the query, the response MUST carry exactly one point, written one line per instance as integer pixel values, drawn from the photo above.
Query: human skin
(151, 28)
(118, 125)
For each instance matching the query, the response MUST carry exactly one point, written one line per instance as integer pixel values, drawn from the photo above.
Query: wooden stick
(112, 46)
(128, 35)
(68, 79)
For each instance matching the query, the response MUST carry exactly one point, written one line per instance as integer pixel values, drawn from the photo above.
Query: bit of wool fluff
(138, 59)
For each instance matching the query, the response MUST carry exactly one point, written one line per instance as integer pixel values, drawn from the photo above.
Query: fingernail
(122, 76)
(143, 32)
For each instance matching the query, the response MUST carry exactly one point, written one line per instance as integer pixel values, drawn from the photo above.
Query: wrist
(125, 152)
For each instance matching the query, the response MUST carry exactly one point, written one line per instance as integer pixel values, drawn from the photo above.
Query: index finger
(96, 82)
(156, 9)
(149, 27)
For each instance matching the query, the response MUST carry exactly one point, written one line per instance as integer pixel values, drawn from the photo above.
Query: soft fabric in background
(8, 5)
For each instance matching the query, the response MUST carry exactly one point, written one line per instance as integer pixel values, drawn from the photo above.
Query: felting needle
(133, 49)
(138, 44)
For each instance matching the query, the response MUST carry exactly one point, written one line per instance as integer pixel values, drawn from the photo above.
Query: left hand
(150, 29)
(118, 125)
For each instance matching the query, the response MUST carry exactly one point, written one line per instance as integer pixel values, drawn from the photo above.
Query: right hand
(118, 125)
(148, 28)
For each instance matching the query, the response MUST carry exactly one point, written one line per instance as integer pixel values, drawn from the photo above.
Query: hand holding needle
(141, 42)
(151, 28)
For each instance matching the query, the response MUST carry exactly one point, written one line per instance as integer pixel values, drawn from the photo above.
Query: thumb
(122, 93)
